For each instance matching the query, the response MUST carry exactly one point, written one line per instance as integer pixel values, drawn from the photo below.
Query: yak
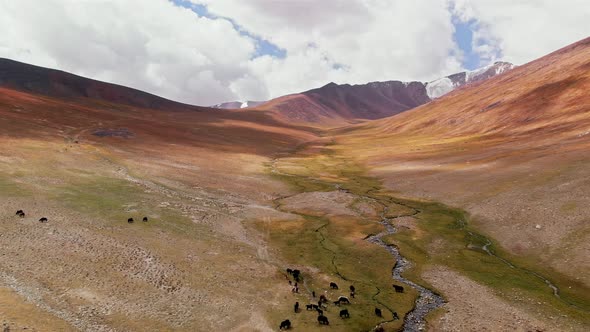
(344, 313)
(285, 325)
(323, 320)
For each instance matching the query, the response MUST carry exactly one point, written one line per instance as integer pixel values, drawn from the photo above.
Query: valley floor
(485, 287)
(214, 252)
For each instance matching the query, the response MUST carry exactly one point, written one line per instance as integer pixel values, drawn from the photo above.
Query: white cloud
(156, 46)
(151, 45)
(521, 31)
(353, 41)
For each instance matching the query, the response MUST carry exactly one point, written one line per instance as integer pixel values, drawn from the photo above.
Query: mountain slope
(56, 83)
(548, 92)
(88, 165)
(336, 105)
(513, 150)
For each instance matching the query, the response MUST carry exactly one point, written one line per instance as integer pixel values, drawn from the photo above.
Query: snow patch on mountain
(504, 66)
(439, 87)
(434, 89)
(442, 86)
(472, 74)
(494, 69)
(238, 104)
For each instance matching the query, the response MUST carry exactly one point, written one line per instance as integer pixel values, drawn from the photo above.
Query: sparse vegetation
(458, 245)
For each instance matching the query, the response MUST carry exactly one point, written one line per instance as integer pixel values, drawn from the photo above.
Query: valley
(462, 213)
(431, 236)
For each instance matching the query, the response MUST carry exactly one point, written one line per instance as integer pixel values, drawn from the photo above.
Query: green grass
(365, 265)
(458, 245)
(569, 207)
(461, 251)
(99, 194)
(8, 187)
(314, 243)
(115, 200)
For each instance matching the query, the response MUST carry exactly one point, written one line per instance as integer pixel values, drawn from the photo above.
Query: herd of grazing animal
(21, 214)
(130, 220)
(321, 304)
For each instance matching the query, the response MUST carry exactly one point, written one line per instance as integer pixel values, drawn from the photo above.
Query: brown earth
(512, 151)
(195, 265)
(473, 307)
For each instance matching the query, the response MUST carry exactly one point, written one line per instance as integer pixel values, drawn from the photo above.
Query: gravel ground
(473, 307)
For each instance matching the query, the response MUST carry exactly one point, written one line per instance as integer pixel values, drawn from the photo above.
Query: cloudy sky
(208, 51)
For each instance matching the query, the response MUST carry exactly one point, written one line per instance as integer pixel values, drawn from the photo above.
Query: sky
(205, 52)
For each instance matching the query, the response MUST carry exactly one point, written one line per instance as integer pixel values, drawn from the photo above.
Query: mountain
(56, 83)
(337, 105)
(25, 89)
(512, 150)
(238, 104)
(329, 105)
(442, 86)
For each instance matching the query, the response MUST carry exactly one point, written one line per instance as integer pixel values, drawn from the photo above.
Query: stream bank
(464, 250)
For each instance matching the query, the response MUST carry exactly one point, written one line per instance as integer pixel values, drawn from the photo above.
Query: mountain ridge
(329, 106)
(340, 104)
(57, 83)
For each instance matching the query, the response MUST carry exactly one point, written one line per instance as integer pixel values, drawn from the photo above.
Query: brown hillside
(337, 105)
(514, 151)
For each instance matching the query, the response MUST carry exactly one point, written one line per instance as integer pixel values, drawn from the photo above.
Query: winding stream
(487, 250)
(427, 300)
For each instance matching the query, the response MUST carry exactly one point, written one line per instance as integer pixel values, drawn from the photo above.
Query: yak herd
(21, 214)
(321, 304)
(130, 220)
(296, 274)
